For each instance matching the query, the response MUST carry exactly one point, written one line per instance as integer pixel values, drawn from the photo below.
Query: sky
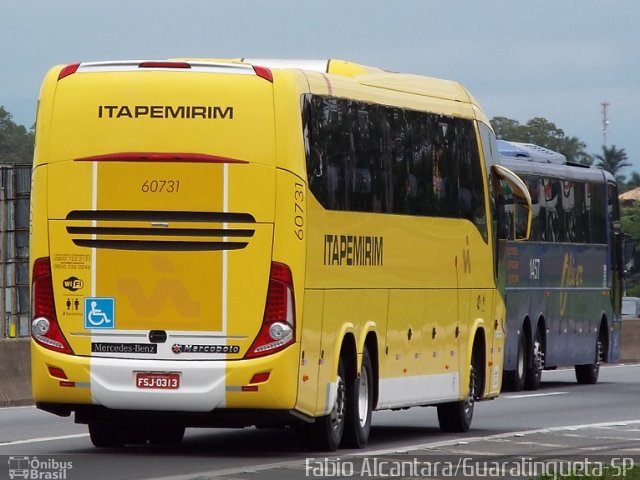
(557, 59)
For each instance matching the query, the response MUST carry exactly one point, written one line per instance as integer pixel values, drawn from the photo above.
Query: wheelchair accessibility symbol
(99, 312)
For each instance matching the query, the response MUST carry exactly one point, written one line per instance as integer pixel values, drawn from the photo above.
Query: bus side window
(580, 214)
(471, 198)
(597, 213)
(374, 158)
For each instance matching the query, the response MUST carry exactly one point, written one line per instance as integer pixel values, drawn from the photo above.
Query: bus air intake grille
(160, 230)
(160, 216)
(159, 245)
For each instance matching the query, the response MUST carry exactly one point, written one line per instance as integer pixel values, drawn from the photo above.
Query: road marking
(532, 395)
(602, 366)
(499, 436)
(25, 407)
(43, 439)
(540, 444)
(301, 463)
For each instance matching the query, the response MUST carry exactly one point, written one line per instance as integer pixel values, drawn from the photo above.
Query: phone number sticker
(71, 261)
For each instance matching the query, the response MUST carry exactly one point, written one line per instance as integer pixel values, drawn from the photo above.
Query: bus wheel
(165, 435)
(536, 364)
(588, 374)
(107, 435)
(326, 432)
(457, 416)
(514, 379)
(359, 406)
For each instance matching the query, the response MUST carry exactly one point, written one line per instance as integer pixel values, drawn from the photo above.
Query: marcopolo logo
(177, 348)
(38, 468)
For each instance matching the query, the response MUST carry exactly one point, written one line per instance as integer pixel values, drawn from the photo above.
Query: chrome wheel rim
(521, 365)
(363, 398)
(337, 414)
(470, 400)
(599, 355)
(538, 357)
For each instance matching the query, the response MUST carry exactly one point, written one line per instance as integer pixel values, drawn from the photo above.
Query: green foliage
(609, 473)
(540, 131)
(630, 218)
(634, 181)
(613, 159)
(631, 221)
(16, 143)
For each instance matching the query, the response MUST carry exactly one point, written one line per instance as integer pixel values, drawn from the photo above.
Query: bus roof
(343, 78)
(331, 66)
(568, 172)
(530, 152)
(527, 158)
(363, 74)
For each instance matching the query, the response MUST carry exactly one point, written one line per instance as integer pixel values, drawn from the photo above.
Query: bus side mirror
(518, 208)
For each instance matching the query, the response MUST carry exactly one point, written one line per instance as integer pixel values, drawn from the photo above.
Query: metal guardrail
(15, 191)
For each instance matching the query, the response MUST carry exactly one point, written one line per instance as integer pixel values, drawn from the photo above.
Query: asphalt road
(562, 418)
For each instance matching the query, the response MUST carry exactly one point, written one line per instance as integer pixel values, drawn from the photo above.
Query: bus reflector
(44, 328)
(260, 377)
(57, 373)
(263, 72)
(68, 70)
(278, 323)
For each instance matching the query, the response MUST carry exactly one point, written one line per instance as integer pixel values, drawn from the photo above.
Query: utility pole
(605, 121)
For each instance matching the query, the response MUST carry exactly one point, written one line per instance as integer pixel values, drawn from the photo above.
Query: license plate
(158, 380)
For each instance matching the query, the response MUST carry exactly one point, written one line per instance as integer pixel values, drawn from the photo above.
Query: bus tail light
(44, 326)
(164, 64)
(68, 70)
(263, 72)
(278, 324)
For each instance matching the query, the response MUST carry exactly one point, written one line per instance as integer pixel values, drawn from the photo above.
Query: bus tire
(105, 435)
(456, 417)
(535, 364)
(514, 379)
(359, 405)
(588, 374)
(326, 432)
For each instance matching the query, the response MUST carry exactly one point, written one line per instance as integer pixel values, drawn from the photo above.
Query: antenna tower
(605, 121)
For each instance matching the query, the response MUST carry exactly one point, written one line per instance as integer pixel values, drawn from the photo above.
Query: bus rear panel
(158, 183)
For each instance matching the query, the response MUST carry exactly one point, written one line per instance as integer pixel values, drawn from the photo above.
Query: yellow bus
(235, 242)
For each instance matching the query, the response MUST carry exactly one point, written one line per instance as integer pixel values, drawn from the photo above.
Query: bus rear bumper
(202, 386)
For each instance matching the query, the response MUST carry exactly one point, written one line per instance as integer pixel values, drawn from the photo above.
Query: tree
(613, 159)
(16, 143)
(508, 129)
(634, 181)
(544, 133)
